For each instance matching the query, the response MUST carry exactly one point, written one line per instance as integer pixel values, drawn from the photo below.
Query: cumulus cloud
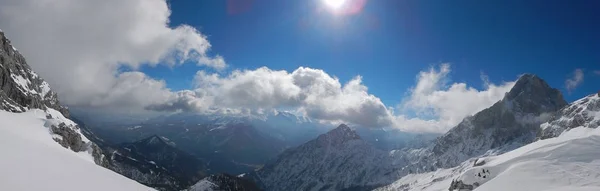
(312, 92)
(575, 80)
(446, 104)
(78, 46)
(318, 95)
(597, 72)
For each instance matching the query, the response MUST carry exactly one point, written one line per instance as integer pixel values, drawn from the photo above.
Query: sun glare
(334, 4)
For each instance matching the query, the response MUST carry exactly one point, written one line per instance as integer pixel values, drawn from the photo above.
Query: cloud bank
(79, 46)
(318, 95)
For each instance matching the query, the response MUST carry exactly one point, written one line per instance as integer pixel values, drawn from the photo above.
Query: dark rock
(69, 137)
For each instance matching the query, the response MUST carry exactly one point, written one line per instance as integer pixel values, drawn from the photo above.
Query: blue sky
(398, 47)
(390, 41)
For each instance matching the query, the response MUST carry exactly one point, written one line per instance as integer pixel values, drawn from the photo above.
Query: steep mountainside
(37, 124)
(337, 160)
(21, 88)
(508, 124)
(223, 182)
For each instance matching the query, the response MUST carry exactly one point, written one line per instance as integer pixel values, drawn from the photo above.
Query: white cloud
(575, 80)
(311, 92)
(597, 72)
(78, 45)
(320, 96)
(446, 105)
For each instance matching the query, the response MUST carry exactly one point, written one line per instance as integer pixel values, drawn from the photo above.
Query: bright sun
(334, 4)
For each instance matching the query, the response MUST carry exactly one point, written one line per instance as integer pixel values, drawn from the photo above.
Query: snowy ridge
(567, 162)
(583, 112)
(33, 156)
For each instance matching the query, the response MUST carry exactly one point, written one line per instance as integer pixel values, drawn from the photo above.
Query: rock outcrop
(583, 112)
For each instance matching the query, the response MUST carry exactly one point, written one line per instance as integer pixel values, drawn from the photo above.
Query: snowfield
(568, 162)
(32, 160)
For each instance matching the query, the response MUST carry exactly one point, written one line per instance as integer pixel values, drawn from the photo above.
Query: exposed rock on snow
(567, 162)
(21, 88)
(584, 112)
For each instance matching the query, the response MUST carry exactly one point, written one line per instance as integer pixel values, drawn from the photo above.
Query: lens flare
(334, 4)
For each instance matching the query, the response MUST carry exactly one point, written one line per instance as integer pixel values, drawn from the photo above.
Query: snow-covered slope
(583, 112)
(31, 160)
(567, 162)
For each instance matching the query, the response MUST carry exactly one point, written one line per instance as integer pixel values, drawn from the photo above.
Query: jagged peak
(341, 133)
(533, 95)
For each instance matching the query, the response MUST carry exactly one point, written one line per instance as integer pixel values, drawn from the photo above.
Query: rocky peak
(509, 123)
(531, 94)
(339, 135)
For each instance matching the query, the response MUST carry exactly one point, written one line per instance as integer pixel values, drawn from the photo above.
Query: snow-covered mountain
(564, 157)
(223, 182)
(510, 123)
(336, 160)
(36, 130)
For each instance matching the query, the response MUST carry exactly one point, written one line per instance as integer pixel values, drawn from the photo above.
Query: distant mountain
(336, 160)
(230, 144)
(223, 182)
(184, 168)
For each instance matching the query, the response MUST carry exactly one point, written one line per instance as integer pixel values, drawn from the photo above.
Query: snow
(219, 128)
(33, 161)
(135, 127)
(23, 83)
(45, 87)
(568, 162)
